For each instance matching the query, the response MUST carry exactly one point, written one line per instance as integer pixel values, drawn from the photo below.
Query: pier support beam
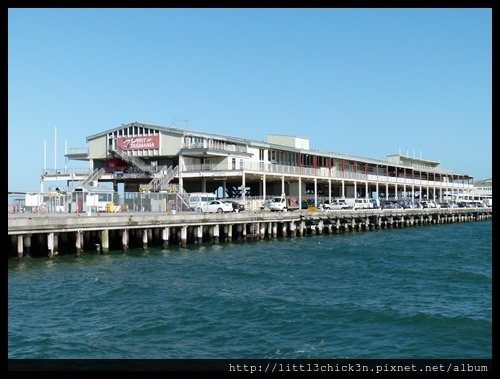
(183, 236)
(302, 226)
(274, 230)
(321, 225)
(79, 243)
(216, 233)
(50, 245)
(56, 244)
(329, 228)
(255, 230)
(283, 229)
(244, 231)
(125, 240)
(224, 232)
(144, 239)
(229, 232)
(262, 230)
(199, 234)
(165, 234)
(105, 241)
(20, 246)
(293, 229)
(27, 245)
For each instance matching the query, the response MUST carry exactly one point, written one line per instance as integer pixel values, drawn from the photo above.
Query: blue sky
(366, 82)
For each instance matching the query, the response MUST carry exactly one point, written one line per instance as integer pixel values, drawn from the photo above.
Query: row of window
(133, 131)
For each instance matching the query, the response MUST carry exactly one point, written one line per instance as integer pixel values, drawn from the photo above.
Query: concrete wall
(170, 144)
(98, 148)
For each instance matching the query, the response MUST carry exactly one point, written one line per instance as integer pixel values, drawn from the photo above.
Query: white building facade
(161, 158)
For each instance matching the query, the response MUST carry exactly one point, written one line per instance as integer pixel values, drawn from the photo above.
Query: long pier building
(159, 158)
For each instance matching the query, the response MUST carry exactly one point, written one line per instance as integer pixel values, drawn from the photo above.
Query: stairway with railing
(136, 161)
(94, 175)
(181, 194)
(162, 178)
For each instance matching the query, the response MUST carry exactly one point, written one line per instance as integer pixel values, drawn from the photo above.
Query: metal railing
(161, 180)
(326, 173)
(136, 161)
(95, 175)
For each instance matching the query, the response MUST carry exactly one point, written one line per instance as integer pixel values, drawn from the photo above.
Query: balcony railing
(227, 147)
(324, 172)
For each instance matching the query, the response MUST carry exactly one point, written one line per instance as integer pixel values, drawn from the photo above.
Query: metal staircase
(94, 175)
(136, 161)
(181, 194)
(162, 178)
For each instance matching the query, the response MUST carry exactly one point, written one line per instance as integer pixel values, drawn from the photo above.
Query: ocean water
(423, 292)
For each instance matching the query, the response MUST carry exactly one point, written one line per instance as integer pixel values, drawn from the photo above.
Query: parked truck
(283, 203)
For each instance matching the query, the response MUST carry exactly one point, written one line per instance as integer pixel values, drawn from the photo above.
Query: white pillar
(199, 234)
(164, 236)
(20, 246)
(125, 240)
(243, 185)
(329, 191)
(264, 187)
(78, 242)
(315, 192)
(27, 245)
(184, 236)
(216, 233)
(300, 193)
(50, 244)
(181, 168)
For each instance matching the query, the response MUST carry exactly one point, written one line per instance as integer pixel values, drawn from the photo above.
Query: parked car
(336, 204)
(216, 206)
(405, 204)
(237, 207)
(388, 204)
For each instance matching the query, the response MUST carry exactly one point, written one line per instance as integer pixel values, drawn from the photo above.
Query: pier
(61, 233)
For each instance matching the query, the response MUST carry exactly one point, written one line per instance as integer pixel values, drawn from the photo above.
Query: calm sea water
(423, 292)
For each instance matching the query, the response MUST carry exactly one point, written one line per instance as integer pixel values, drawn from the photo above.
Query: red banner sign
(138, 143)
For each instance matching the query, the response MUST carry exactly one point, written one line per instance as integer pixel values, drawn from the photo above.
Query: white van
(362, 204)
(199, 200)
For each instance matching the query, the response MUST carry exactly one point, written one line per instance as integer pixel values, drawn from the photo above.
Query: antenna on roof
(185, 121)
